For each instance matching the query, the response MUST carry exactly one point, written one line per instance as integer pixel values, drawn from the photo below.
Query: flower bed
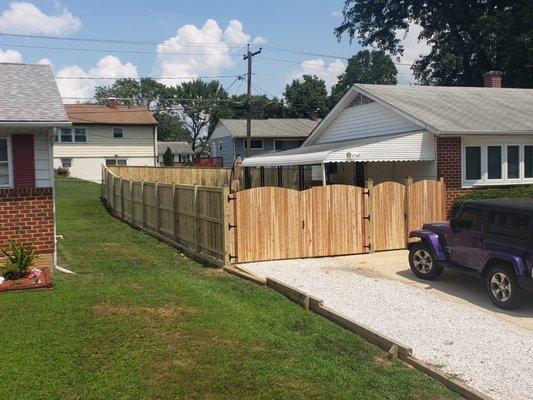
(36, 279)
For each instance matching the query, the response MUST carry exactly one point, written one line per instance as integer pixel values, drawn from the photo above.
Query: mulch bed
(45, 281)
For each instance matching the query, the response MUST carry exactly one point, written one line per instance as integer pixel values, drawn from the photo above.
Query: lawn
(142, 321)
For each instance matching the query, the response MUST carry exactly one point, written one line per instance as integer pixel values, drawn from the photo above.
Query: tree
(467, 38)
(306, 96)
(202, 104)
(364, 67)
(147, 92)
(168, 158)
(262, 107)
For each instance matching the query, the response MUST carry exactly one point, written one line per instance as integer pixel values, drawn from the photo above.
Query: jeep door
(466, 244)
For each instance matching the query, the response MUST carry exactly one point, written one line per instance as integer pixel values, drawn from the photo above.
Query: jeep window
(470, 218)
(509, 224)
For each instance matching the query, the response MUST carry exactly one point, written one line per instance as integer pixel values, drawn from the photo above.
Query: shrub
(493, 193)
(63, 171)
(18, 260)
(168, 158)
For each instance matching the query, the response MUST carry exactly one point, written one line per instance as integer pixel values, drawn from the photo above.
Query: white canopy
(413, 146)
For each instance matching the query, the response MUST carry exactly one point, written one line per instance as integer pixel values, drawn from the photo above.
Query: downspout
(324, 181)
(155, 146)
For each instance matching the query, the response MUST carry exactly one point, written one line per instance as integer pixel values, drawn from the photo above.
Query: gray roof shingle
(28, 93)
(175, 147)
(461, 109)
(271, 128)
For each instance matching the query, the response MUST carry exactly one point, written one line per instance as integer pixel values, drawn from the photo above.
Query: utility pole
(249, 56)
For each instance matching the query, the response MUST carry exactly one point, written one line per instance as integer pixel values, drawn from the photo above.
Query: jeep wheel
(423, 263)
(503, 287)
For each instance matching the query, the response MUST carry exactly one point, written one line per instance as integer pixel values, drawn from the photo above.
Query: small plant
(168, 158)
(18, 260)
(63, 171)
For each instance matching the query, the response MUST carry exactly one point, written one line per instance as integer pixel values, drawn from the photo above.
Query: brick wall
(28, 214)
(449, 167)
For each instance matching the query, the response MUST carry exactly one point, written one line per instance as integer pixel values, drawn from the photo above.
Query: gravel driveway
(490, 354)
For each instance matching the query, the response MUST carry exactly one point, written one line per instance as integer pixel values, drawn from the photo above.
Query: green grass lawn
(141, 321)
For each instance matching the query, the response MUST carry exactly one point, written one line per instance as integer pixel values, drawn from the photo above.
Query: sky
(179, 40)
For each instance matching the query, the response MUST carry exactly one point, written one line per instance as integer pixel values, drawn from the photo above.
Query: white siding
(138, 141)
(90, 168)
(220, 131)
(365, 120)
(43, 172)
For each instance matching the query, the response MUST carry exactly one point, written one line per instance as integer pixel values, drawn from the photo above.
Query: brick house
(473, 137)
(30, 109)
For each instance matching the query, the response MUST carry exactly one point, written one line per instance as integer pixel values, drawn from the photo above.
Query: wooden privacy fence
(194, 218)
(272, 223)
(276, 223)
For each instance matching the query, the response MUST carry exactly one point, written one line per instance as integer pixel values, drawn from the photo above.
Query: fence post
(226, 222)
(196, 220)
(157, 209)
(408, 183)
(442, 193)
(122, 198)
(174, 213)
(102, 183)
(132, 203)
(143, 218)
(370, 216)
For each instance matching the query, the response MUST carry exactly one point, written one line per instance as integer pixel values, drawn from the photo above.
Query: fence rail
(192, 217)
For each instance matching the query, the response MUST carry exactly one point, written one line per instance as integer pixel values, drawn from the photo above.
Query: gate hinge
(369, 247)
(367, 192)
(231, 226)
(230, 198)
(232, 257)
(367, 217)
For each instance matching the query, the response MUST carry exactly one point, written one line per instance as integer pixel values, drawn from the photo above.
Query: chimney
(112, 102)
(314, 116)
(492, 79)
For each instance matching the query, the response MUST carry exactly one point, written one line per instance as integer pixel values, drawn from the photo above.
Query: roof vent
(112, 102)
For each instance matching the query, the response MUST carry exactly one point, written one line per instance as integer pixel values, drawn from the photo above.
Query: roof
(524, 204)
(29, 94)
(271, 128)
(443, 109)
(417, 146)
(103, 114)
(175, 147)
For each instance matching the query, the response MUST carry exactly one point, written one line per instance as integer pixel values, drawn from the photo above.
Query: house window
(256, 144)
(496, 163)
(66, 162)
(220, 146)
(473, 163)
(278, 145)
(4, 163)
(513, 162)
(528, 161)
(68, 135)
(118, 132)
(113, 162)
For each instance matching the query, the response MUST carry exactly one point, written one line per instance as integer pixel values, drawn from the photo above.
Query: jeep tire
(503, 287)
(423, 262)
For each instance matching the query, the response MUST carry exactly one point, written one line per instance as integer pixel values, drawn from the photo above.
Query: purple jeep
(492, 239)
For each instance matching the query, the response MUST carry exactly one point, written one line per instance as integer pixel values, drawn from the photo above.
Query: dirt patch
(161, 311)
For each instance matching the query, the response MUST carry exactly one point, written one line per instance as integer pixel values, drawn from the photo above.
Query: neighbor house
(473, 137)
(30, 110)
(105, 135)
(181, 152)
(268, 135)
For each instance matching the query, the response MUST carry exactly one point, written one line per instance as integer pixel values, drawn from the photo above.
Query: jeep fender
(432, 240)
(519, 267)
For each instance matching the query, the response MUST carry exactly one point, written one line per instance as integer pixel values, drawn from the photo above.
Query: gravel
(491, 355)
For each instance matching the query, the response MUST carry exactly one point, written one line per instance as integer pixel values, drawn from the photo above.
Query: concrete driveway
(451, 285)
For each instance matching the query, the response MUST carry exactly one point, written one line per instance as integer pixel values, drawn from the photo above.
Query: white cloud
(10, 56)
(336, 14)
(215, 54)
(413, 49)
(45, 61)
(318, 67)
(259, 40)
(108, 67)
(25, 18)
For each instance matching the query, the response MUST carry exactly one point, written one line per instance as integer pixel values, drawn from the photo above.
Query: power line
(313, 64)
(147, 77)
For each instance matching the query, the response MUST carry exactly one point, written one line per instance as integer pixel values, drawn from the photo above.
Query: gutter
(44, 124)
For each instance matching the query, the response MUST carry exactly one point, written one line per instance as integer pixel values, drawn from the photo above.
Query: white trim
(9, 162)
(504, 143)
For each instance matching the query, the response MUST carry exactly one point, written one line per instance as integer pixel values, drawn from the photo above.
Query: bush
(18, 260)
(168, 158)
(493, 193)
(63, 171)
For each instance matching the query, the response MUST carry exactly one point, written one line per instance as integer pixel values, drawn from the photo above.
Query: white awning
(414, 146)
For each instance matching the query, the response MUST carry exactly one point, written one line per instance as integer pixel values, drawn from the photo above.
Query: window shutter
(23, 160)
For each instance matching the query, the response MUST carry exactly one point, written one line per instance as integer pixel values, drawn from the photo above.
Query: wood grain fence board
(175, 175)
(117, 189)
(425, 203)
(389, 216)
(136, 196)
